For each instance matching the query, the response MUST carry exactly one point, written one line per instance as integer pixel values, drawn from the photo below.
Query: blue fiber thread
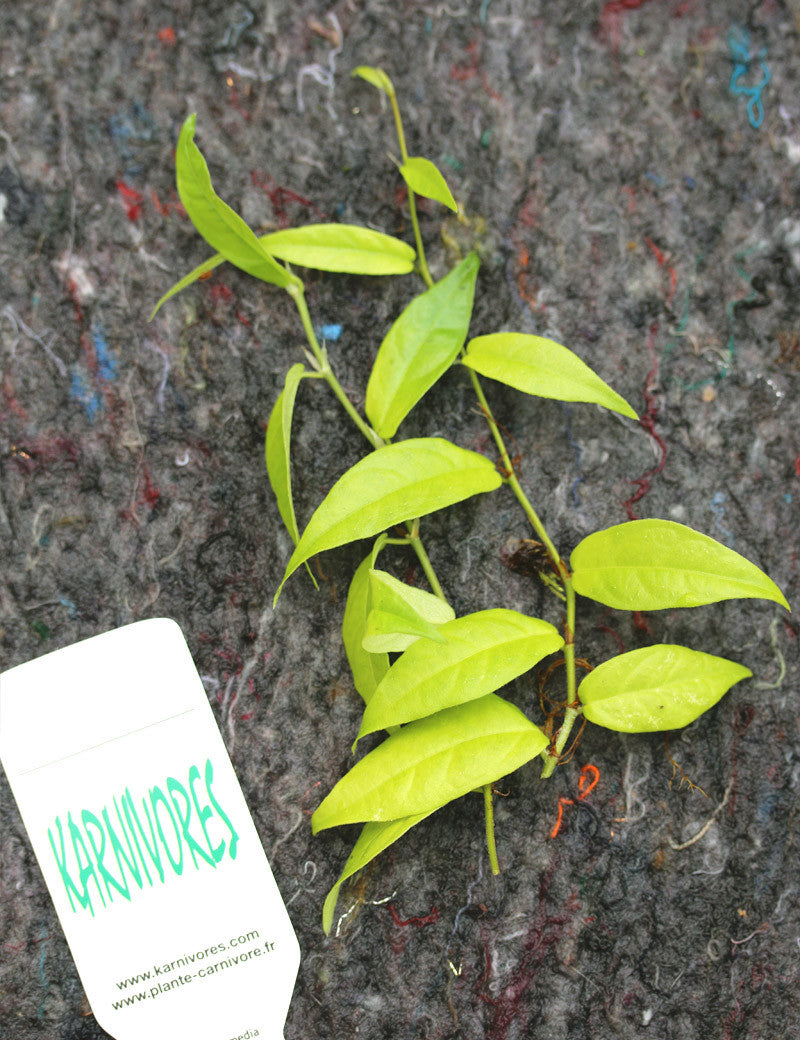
(330, 332)
(80, 392)
(739, 45)
(106, 362)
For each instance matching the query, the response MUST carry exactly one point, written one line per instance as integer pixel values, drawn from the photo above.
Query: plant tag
(145, 841)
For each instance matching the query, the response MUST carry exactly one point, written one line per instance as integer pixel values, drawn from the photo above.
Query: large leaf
(374, 838)
(657, 687)
(401, 614)
(421, 345)
(220, 226)
(423, 178)
(277, 445)
(541, 367)
(345, 248)
(484, 651)
(658, 564)
(397, 482)
(431, 762)
(368, 669)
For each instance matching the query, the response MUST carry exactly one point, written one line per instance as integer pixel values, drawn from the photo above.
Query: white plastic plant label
(147, 846)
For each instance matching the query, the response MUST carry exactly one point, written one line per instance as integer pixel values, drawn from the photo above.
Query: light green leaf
(374, 838)
(220, 226)
(431, 762)
(276, 448)
(419, 348)
(345, 248)
(658, 564)
(656, 688)
(541, 367)
(423, 178)
(193, 276)
(484, 651)
(377, 77)
(401, 614)
(397, 482)
(368, 669)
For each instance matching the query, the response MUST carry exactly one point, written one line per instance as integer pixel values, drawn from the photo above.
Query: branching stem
(412, 204)
(551, 755)
(298, 295)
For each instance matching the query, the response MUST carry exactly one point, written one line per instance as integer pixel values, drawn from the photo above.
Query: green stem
(572, 711)
(295, 290)
(488, 811)
(412, 205)
(415, 542)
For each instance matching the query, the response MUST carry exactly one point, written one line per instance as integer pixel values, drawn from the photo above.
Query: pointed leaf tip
(660, 564)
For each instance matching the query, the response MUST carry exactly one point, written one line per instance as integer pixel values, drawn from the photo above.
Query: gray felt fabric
(623, 203)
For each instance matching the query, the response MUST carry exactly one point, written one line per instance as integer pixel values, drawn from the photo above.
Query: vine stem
(297, 293)
(488, 808)
(412, 204)
(551, 754)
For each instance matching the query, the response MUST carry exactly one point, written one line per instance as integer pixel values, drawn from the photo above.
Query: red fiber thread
(418, 922)
(132, 200)
(587, 782)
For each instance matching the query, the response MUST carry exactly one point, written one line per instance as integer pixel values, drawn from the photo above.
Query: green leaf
(377, 77)
(368, 668)
(423, 178)
(276, 448)
(220, 226)
(397, 482)
(484, 651)
(205, 268)
(344, 248)
(419, 348)
(541, 367)
(401, 614)
(658, 564)
(431, 762)
(374, 838)
(656, 688)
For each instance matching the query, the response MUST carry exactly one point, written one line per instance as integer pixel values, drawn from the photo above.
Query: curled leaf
(220, 226)
(368, 668)
(374, 76)
(401, 614)
(374, 838)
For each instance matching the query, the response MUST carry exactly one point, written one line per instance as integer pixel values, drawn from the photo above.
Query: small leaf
(220, 226)
(374, 838)
(276, 448)
(205, 268)
(344, 248)
(431, 762)
(656, 688)
(368, 669)
(541, 367)
(401, 614)
(423, 178)
(377, 77)
(397, 482)
(419, 348)
(484, 651)
(658, 564)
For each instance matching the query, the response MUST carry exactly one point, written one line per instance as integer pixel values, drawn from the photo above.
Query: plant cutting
(449, 732)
